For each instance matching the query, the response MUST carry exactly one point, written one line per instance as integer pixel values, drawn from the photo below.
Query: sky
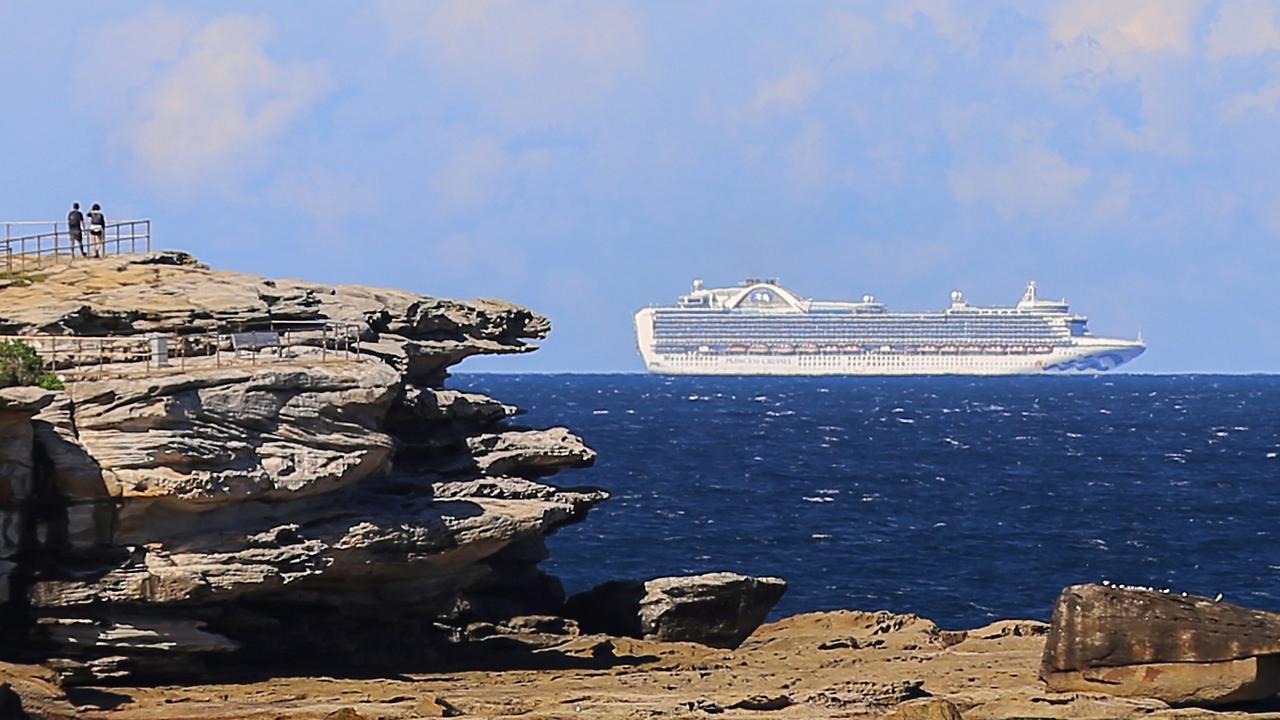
(590, 158)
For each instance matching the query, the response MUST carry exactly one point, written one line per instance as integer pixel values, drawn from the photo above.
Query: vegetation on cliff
(20, 365)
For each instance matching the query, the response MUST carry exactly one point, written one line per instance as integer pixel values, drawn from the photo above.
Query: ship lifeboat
(1017, 349)
(929, 348)
(783, 348)
(950, 349)
(852, 348)
(994, 349)
(808, 348)
(1044, 349)
(759, 348)
(737, 348)
(704, 348)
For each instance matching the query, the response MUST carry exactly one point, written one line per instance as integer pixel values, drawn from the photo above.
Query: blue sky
(590, 158)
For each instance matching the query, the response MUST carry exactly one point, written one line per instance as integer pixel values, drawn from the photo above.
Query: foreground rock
(1180, 649)
(715, 609)
(820, 666)
(308, 512)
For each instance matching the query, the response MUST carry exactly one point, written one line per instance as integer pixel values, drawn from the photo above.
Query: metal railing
(30, 250)
(103, 356)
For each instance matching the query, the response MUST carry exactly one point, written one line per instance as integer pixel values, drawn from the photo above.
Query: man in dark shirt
(74, 221)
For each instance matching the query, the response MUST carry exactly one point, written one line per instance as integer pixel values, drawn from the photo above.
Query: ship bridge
(1032, 303)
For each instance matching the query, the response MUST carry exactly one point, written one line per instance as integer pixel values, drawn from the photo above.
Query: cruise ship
(761, 328)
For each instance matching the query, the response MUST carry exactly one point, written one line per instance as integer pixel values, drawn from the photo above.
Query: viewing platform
(34, 253)
(29, 244)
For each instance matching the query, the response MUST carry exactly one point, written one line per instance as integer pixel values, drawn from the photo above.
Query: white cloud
(325, 197)
(789, 91)
(806, 158)
(1167, 112)
(470, 254)
(1114, 200)
(1124, 26)
(851, 41)
(1243, 28)
(470, 175)
(1264, 101)
(960, 26)
(1033, 180)
(525, 63)
(1143, 47)
(124, 56)
(201, 102)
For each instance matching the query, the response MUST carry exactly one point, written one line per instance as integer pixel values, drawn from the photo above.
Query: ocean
(963, 500)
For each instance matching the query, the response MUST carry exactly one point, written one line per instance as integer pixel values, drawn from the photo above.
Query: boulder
(716, 609)
(1182, 649)
(531, 452)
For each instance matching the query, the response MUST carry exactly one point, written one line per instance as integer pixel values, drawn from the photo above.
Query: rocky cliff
(335, 511)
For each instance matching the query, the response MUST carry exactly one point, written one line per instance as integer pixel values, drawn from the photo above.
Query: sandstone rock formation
(877, 665)
(18, 473)
(310, 509)
(715, 609)
(1179, 649)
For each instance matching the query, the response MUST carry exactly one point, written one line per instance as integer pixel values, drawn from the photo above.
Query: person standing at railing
(97, 230)
(75, 221)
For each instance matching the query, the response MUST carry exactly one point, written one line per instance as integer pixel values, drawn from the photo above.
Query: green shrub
(21, 365)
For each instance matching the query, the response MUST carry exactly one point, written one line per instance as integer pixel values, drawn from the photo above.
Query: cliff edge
(271, 505)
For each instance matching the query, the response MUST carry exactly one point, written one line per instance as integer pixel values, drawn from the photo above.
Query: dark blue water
(962, 500)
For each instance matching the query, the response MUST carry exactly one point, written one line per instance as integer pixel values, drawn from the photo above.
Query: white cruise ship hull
(1083, 354)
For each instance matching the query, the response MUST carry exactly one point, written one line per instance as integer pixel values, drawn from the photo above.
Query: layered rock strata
(865, 665)
(301, 507)
(1181, 649)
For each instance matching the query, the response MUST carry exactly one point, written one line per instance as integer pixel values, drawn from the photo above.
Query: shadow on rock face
(95, 697)
(513, 654)
(612, 608)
